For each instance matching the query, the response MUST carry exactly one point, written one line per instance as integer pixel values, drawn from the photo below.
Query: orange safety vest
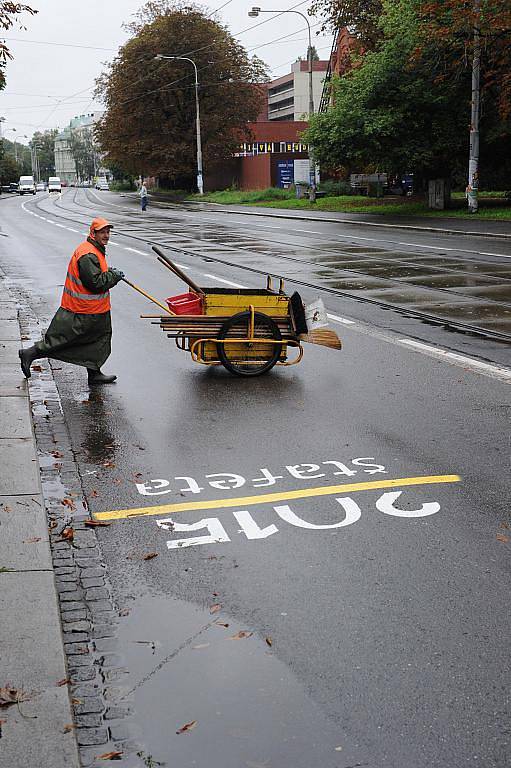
(75, 296)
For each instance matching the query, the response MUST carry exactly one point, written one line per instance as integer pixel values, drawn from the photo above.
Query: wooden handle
(177, 271)
(148, 296)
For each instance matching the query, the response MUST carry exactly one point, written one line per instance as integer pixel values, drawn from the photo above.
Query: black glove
(117, 272)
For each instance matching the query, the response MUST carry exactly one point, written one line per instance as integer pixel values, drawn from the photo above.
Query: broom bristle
(324, 337)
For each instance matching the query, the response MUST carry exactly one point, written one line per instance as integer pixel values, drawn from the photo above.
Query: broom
(322, 336)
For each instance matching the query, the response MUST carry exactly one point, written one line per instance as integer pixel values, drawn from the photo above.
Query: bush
(336, 188)
(122, 186)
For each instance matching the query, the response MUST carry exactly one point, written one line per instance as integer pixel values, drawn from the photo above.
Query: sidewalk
(33, 731)
(443, 225)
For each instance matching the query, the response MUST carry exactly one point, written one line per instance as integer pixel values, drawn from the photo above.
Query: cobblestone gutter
(88, 611)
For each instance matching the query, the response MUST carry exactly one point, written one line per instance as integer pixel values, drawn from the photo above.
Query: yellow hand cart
(246, 330)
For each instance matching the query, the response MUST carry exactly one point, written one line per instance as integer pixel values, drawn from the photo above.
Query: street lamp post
(15, 145)
(200, 179)
(254, 13)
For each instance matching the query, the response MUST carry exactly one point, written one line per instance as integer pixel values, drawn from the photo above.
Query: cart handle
(147, 296)
(168, 263)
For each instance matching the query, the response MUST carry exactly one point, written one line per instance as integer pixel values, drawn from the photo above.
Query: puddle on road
(249, 708)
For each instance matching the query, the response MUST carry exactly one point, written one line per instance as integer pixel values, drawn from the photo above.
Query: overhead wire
(174, 82)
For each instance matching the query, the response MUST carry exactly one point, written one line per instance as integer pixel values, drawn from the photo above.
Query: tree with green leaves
(401, 109)
(149, 125)
(9, 169)
(45, 143)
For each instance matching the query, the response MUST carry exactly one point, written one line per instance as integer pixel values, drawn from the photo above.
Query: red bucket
(185, 304)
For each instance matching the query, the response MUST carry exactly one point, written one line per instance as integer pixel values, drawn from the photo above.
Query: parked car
(13, 186)
(40, 186)
(26, 185)
(102, 184)
(54, 184)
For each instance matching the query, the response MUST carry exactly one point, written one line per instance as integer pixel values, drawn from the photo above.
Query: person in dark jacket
(81, 330)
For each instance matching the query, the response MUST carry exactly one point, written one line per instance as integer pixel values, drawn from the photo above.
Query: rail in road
(306, 569)
(464, 293)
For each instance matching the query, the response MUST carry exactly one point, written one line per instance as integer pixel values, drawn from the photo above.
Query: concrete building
(288, 96)
(65, 166)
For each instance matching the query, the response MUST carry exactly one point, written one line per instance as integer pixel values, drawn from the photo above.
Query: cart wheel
(249, 358)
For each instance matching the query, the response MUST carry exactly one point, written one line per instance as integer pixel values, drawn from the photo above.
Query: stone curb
(88, 614)
(37, 732)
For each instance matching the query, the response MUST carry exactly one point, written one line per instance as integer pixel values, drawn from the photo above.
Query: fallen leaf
(7, 508)
(68, 503)
(53, 524)
(68, 534)
(502, 537)
(96, 523)
(110, 756)
(215, 608)
(64, 681)
(37, 368)
(504, 525)
(187, 727)
(241, 635)
(124, 612)
(69, 727)
(137, 474)
(8, 696)
(109, 464)
(150, 556)
(94, 494)
(32, 540)
(57, 454)
(269, 641)
(222, 623)
(76, 702)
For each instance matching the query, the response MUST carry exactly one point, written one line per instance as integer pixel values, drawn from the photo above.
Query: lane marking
(227, 282)
(478, 366)
(269, 498)
(135, 250)
(338, 319)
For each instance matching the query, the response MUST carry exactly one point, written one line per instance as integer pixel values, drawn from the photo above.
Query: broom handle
(168, 263)
(151, 298)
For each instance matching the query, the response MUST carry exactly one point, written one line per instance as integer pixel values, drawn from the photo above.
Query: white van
(26, 185)
(54, 184)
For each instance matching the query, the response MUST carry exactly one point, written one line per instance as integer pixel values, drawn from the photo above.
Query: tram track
(425, 317)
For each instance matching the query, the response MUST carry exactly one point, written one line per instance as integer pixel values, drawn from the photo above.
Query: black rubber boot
(96, 377)
(27, 357)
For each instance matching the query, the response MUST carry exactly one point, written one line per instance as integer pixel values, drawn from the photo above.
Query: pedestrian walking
(143, 196)
(81, 330)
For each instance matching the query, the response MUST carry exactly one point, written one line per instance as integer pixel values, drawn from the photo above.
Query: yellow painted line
(270, 498)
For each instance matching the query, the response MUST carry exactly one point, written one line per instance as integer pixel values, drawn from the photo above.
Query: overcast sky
(61, 51)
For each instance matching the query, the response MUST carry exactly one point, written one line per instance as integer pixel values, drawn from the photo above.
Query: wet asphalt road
(378, 638)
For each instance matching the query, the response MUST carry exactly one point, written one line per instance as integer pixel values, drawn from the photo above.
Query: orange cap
(99, 224)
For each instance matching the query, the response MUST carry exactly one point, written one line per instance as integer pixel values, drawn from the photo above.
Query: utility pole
(473, 160)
